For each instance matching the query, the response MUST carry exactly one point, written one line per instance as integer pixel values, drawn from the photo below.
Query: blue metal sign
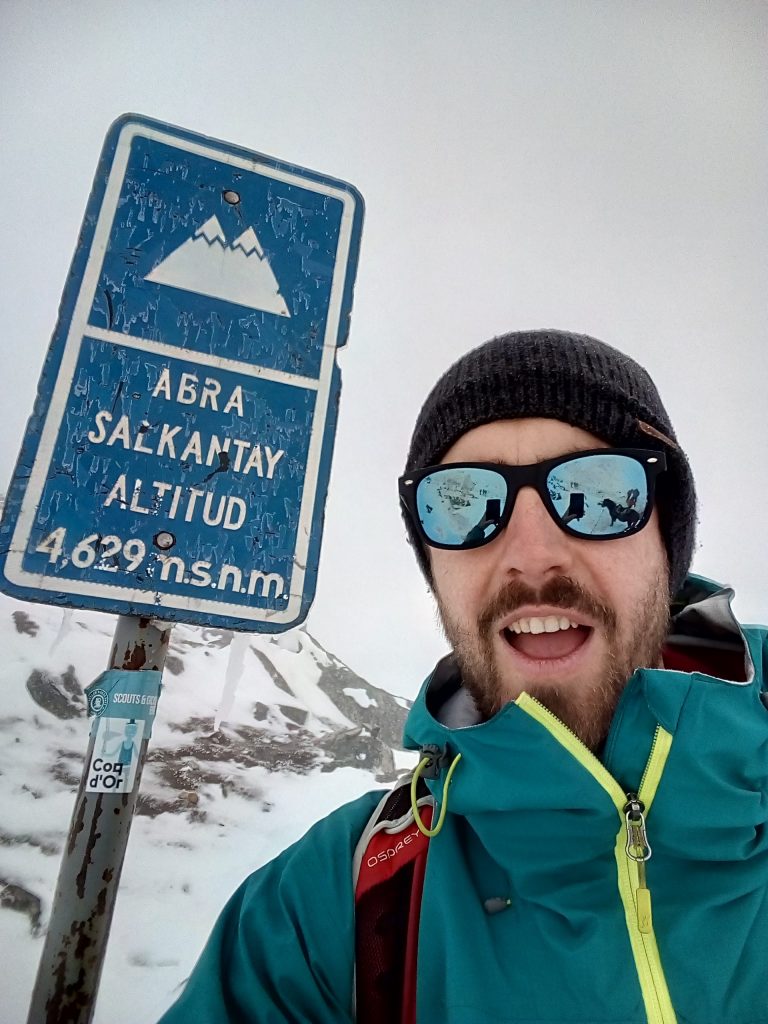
(177, 460)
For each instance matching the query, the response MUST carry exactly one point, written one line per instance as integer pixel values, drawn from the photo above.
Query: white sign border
(79, 330)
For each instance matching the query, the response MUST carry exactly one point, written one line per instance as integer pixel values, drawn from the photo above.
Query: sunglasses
(599, 495)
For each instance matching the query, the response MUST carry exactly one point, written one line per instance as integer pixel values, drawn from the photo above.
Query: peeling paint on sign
(177, 459)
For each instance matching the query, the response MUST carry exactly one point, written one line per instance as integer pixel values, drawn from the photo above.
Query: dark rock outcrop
(61, 696)
(16, 897)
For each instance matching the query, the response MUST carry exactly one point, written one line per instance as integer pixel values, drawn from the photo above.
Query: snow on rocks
(256, 737)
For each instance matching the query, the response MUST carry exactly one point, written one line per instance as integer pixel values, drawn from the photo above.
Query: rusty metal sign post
(177, 460)
(122, 702)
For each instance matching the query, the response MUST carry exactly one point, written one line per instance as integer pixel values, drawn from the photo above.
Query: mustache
(560, 592)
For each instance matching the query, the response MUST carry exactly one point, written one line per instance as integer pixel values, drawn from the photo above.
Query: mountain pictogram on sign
(238, 273)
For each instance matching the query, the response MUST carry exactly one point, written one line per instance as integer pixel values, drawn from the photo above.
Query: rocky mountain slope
(255, 737)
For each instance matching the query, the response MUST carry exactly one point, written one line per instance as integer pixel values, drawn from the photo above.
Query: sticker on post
(115, 755)
(121, 694)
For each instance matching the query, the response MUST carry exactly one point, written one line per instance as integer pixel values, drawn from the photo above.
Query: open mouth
(553, 650)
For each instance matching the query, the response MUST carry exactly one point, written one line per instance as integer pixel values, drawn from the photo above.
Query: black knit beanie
(567, 377)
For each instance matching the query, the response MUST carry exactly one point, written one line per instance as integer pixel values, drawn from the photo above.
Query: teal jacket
(537, 824)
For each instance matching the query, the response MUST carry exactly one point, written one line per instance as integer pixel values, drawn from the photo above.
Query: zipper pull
(638, 847)
(639, 850)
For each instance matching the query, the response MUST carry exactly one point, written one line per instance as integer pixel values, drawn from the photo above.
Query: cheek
(458, 581)
(628, 571)
(648, 558)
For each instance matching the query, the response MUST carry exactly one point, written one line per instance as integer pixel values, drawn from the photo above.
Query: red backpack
(388, 871)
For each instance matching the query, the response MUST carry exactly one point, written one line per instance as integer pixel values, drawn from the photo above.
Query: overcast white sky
(599, 167)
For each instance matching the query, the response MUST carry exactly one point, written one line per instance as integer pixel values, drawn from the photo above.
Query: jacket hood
(704, 634)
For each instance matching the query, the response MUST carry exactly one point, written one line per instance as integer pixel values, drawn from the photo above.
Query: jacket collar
(704, 637)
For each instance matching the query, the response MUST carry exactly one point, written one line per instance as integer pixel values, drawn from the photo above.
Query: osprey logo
(392, 851)
(393, 847)
(208, 265)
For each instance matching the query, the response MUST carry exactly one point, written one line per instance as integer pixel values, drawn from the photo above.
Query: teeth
(549, 624)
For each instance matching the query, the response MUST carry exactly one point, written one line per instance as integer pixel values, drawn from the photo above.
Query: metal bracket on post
(122, 702)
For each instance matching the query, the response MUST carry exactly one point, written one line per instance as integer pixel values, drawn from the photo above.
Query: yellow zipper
(632, 850)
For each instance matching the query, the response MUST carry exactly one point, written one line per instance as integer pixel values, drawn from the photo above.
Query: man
(595, 749)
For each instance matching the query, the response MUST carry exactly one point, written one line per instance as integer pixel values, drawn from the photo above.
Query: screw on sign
(176, 464)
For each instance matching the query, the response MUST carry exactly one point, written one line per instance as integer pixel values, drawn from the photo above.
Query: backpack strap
(388, 875)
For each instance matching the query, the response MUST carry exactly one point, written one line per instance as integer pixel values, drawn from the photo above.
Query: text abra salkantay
(175, 500)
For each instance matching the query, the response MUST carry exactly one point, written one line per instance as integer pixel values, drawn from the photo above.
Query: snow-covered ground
(208, 818)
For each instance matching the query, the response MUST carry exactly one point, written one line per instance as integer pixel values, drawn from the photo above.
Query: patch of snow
(301, 673)
(405, 760)
(360, 697)
(317, 651)
(179, 869)
(289, 641)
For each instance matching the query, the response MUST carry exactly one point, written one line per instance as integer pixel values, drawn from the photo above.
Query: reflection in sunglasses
(600, 494)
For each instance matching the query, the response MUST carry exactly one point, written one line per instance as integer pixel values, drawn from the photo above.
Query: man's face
(617, 591)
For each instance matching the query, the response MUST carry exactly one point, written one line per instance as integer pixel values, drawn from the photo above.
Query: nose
(533, 547)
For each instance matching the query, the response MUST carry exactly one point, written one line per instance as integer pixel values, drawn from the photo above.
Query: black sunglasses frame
(533, 475)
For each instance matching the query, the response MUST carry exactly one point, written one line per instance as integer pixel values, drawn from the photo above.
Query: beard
(586, 706)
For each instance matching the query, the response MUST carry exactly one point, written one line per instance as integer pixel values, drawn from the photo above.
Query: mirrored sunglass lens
(600, 495)
(460, 506)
